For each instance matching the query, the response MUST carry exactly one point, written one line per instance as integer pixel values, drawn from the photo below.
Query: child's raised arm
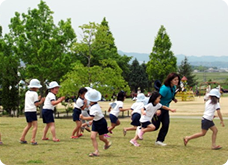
(58, 101)
(121, 109)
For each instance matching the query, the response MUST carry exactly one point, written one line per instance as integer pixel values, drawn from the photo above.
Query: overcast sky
(195, 27)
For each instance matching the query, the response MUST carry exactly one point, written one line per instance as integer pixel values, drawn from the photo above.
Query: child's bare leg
(214, 135)
(149, 128)
(196, 135)
(94, 142)
(34, 130)
(45, 131)
(113, 125)
(25, 131)
(130, 128)
(52, 126)
(77, 128)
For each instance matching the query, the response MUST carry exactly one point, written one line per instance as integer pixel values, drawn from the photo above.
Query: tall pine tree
(186, 70)
(162, 60)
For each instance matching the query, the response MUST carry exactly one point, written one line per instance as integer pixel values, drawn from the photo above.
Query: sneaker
(137, 130)
(134, 142)
(74, 137)
(107, 147)
(140, 134)
(80, 135)
(106, 136)
(160, 143)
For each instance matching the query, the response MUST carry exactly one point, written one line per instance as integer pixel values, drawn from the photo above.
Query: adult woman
(167, 92)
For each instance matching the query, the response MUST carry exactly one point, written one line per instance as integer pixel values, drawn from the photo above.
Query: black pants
(164, 119)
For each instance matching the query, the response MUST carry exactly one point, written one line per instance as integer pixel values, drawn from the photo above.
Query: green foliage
(138, 76)
(185, 69)
(105, 78)
(162, 61)
(41, 45)
(9, 63)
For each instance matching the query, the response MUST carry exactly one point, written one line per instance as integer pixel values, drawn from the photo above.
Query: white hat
(140, 97)
(34, 83)
(53, 84)
(214, 92)
(93, 95)
(88, 88)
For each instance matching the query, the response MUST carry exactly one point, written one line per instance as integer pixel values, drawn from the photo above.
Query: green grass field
(75, 151)
(214, 76)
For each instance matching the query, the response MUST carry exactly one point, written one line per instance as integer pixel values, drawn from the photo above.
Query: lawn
(75, 151)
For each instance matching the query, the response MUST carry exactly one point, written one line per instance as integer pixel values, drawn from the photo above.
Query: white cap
(53, 84)
(93, 95)
(140, 97)
(214, 92)
(88, 88)
(34, 83)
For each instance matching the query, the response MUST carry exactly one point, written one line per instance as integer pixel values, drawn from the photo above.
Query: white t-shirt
(137, 107)
(95, 110)
(79, 103)
(31, 97)
(116, 110)
(210, 110)
(47, 102)
(150, 111)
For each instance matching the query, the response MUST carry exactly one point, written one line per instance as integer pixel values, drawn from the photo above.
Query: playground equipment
(185, 94)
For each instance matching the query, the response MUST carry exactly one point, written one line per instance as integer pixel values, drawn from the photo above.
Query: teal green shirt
(167, 94)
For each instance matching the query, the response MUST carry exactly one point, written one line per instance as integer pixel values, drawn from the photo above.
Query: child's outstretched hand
(81, 116)
(158, 113)
(42, 99)
(223, 125)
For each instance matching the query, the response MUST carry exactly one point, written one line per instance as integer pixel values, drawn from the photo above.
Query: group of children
(86, 108)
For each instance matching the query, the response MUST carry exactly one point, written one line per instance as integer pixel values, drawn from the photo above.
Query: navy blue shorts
(135, 119)
(48, 116)
(206, 124)
(76, 114)
(113, 118)
(30, 116)
(100, 126)
(145, 124)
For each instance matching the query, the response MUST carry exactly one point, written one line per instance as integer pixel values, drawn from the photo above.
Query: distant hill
(209, 61)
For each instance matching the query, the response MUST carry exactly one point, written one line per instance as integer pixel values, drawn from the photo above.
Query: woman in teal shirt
(167, 92)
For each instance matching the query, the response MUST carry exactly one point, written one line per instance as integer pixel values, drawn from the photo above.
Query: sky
(195, 27)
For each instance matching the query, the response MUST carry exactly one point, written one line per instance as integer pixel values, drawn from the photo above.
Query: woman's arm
(168, 109)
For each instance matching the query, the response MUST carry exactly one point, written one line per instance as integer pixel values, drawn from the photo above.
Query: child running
(80, 104)
(32, 100)
(211, 106)
(136, 113)
(99, 125)
(147, 113)
(48, 110)
(116, 110)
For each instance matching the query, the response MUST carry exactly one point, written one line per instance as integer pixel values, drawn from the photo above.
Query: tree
(41, 45)
(186, 70)
(107, 80)
(137, 76)
(9, 64)
(162, 61)
(98, 44)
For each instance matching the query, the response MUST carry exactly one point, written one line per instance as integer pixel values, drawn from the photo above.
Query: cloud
(1, 1)
(226, 2)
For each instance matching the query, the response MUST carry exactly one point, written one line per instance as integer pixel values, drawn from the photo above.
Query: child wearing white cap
(32, 100)
(99, 125)
(136, 113)
(48, 110)
(211, 106)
